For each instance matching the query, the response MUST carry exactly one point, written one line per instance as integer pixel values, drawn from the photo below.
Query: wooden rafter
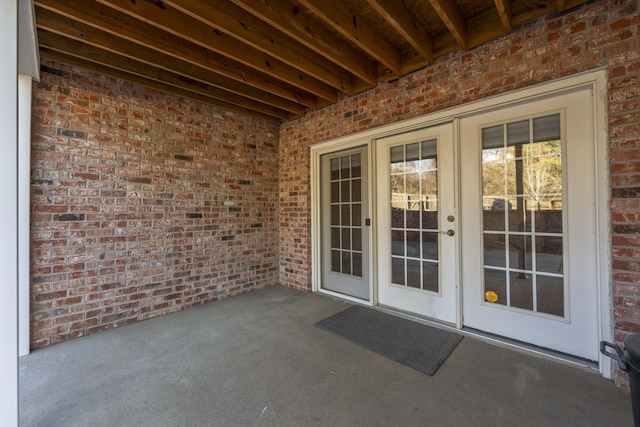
(453, 18)
(78, 60)
(504, 10)
(130, 66)
(561, 5)
(250, 30)
(61, 25)
(357, 30)
(288, 19)
(129, 29)
(273, 59)
(401, 19)
(203, 35)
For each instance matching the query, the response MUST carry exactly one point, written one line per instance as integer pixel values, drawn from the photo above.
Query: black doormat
(418, 346)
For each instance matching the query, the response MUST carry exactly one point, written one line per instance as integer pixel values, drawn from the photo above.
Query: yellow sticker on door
(491, 296)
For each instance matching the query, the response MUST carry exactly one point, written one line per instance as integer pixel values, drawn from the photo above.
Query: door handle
(448, 232)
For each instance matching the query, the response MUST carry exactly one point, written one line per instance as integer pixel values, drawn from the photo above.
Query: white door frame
(596, 80)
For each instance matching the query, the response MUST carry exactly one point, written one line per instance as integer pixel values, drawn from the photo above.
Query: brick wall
(143, 204)
(599, 34)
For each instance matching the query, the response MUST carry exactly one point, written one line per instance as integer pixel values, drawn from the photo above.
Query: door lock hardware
(367, 222)
(448, 232)
(450, 218)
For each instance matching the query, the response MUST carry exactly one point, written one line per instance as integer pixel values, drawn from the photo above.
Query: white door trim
(596, 80)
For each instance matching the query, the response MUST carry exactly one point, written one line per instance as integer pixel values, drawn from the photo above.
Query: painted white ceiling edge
(28, 55)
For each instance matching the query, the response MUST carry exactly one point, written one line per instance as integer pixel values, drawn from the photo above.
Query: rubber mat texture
(421, 347)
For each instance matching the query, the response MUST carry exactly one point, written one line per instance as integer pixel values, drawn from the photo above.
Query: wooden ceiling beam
(74, 30)
(504, 10)
(570, 4)
(530, 12)
(126, 27)
(155, 13)
(357, 30)
(403, 21)
(453, 18)
(120, 75)
(246, 28)
(485, 27)
(247, 55)
(284, 16)
(109, 60)
(482, 28)
(561, 5)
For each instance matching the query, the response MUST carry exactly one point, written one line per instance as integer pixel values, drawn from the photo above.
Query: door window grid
(346, 215)
(414, 215)
(522, 215)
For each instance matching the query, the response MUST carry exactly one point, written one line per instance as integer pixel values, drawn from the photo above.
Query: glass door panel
(522, 182)
(529, 251)
(345, 241)
(417, 259)
(414, 212)
(346, 206)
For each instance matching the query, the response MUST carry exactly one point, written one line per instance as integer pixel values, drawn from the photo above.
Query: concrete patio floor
(257, 360)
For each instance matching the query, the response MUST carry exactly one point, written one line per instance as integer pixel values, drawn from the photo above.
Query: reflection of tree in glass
(535, 171)
(414, 183)
(544, 172)
(493, 178)
(413, 186)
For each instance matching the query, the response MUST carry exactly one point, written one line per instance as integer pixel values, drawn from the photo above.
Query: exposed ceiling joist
(83, 33)
(357, 30)
(561, 5)
(504, 10)
(77, 60)
(453, 18)
(271, 59)
(213, 39)
(401, 19)
(136, 32)
(246, 28)
(105, 58)
(285, 17)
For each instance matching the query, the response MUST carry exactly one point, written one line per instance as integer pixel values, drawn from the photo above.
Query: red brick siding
(599, 34)
(142, 204)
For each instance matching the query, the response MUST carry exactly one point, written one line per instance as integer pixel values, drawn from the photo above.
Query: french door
(529, 263)
(489, 221)
(416, 215)
(345, 238)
